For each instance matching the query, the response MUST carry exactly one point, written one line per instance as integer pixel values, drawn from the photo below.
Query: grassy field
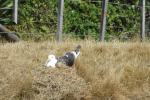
(103, 71)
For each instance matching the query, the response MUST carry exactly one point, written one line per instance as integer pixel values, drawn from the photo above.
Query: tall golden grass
(103, 71)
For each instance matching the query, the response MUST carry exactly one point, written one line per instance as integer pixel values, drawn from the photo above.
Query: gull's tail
(78, 47)
(77, 50)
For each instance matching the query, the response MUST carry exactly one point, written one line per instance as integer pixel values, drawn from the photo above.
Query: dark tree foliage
(81, 18)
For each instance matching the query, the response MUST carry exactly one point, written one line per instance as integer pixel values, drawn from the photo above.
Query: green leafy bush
(81, 18)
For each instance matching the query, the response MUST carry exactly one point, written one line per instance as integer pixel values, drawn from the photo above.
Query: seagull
(68, 59)
(51, 61)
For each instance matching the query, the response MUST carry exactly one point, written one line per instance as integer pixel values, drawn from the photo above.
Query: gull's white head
(51, 61)
(51, 57)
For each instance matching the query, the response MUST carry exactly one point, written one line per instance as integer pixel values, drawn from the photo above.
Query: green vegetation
(38, 18)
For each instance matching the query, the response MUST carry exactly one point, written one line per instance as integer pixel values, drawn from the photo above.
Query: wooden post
(103, 20)
(6, 33)
(15, 11)
(60, 20)
(142, 20)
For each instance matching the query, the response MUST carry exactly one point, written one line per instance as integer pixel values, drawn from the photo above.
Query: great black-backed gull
(68, 59)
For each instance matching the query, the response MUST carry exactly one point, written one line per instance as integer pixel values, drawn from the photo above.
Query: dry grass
(104, 71)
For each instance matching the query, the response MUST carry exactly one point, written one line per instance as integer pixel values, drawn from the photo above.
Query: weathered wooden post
(103, 20)
(60, 20)
(15, 11)
(6, 33)
(142, 31)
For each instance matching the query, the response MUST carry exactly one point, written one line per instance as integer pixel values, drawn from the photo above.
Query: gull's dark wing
(67, 59)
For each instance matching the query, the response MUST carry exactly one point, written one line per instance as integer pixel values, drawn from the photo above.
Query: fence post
(142, 31)
(103, 20)
(15, 11)
(60, 20)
